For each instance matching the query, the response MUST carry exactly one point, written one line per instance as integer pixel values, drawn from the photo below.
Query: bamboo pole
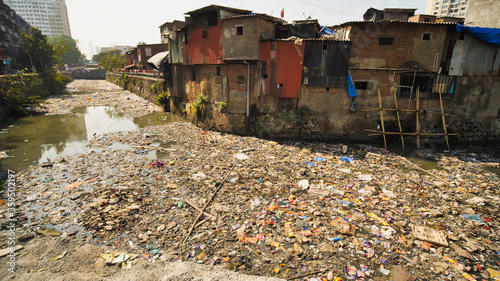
(417, 118)
(378, 133)
(406, 110)
(206, 205)
(382, 117)
(399, 120)
(444, 120)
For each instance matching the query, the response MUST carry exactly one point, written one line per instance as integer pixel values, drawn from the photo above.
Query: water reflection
(34, 140)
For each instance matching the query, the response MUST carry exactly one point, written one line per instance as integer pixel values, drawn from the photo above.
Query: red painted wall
(207, 50)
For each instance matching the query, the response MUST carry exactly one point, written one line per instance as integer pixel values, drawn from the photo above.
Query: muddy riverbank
(133, 200)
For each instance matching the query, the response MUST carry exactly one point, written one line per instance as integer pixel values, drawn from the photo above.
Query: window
(427, 20)
(325, 47)
(203, 34)
(361, 85)
(426, 36)
(147, 50)
(428, 84)
(240, 80)
(239, 30)
(386, 41)
(218, 70)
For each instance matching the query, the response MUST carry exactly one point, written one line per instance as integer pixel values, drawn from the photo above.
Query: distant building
(11, 26)
(388, 14)
(447, 8)
(123, 49)
(483, 13)
(50, 16)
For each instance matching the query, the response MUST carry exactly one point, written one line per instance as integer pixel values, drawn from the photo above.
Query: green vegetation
(222, 106)
(110, 60)
(66, 51)
(163, 99)
(26, 88)
(153, 88)
(199, 104)
(15, 89)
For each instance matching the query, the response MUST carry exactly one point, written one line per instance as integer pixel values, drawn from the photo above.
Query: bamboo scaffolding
(406, 110)
(379, 133)
(417, 111)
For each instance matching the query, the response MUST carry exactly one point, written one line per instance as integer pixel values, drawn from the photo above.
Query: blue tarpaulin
(488, 35)
(326, 31)
(350, 86)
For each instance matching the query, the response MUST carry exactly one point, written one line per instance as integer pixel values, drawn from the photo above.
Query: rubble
(286, 210)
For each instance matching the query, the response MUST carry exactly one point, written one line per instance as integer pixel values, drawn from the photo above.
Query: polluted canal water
(37, 139)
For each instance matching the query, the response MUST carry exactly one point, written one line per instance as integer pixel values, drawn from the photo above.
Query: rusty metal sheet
(472, 57)
(205, 46)
(326, 63)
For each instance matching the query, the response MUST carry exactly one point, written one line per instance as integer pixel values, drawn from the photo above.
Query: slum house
(146, 51)
(254, 62)
(475, 63)
(292, 72)
(131, 59)
(397, 58)
(433, 57)
(203, 70)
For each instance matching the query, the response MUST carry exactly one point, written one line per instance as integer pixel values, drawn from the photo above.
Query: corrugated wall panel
(326, 63)
(284, 68)
(205, 50)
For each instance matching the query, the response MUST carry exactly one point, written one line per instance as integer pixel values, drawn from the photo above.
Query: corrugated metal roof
(398, 21)
(308, 39)
(264, 16)
(217, 7)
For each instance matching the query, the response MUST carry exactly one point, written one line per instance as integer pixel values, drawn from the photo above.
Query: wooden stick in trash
(307, 274)
(206, 205)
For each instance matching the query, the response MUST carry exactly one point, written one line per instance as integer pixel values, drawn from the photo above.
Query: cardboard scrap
(400, 274)
(430, 235)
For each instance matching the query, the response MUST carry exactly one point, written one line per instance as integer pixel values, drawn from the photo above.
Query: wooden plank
(382, 117)
(399, 120)
(7, 251)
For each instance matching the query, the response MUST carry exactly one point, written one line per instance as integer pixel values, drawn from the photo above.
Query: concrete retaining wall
(140, 85)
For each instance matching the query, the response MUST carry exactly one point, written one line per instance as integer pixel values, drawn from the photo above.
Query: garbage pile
(310, 211)
(98, 93)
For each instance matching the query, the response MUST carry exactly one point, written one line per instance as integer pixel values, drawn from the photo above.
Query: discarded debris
(291, 210)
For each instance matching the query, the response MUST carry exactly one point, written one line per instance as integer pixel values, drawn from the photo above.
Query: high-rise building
(11, 26)
(447, 8)
(50, 16)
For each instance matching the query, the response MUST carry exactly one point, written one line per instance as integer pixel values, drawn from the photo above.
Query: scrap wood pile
(291, 210)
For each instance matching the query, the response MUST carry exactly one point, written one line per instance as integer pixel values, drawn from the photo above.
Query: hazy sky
(106, 23)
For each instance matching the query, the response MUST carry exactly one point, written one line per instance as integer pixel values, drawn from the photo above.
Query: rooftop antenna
(308, 17)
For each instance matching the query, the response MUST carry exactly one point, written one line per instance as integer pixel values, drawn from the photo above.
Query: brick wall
(408, 44)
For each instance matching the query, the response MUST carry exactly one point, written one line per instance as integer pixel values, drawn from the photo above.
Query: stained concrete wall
(140, 85)
(246, 45)
(483, 13)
